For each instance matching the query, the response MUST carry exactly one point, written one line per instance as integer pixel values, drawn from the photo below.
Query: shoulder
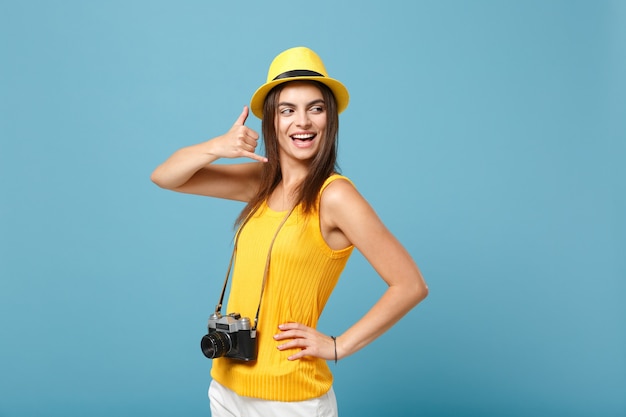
(340, 198)
(337, 189)
(344, 211)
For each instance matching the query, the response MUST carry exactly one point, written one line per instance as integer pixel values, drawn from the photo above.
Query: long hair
(323, 165)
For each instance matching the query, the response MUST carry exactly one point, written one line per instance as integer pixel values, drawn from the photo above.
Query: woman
(309, 219)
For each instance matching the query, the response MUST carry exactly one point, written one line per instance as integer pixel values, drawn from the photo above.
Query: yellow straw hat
(298, 64)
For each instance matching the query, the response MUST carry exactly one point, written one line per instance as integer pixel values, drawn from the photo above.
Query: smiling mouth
(303, 137)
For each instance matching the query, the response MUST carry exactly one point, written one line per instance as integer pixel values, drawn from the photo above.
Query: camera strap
(218, 308)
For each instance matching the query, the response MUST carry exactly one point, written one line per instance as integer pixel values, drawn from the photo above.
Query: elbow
(419, 292)
(154, 177)
(158, 180)
(421, 295)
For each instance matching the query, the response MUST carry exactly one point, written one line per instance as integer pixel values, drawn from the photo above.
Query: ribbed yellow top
(303, 272)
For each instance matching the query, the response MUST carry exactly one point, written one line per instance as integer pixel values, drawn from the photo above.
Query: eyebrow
(316, 101)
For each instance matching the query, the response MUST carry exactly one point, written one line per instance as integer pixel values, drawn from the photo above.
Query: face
(300, 121)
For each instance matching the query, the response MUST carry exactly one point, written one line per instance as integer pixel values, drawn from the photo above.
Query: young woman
(307, 219)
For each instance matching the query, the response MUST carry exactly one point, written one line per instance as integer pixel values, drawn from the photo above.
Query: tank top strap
(332, 178)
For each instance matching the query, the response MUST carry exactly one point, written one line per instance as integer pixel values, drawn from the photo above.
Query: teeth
(303, 137)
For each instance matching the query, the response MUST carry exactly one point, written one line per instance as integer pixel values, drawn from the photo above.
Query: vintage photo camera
(231, 336)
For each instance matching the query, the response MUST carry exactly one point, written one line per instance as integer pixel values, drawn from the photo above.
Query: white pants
(225, 403)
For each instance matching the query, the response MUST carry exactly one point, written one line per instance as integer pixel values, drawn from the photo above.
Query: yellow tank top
(303, 273)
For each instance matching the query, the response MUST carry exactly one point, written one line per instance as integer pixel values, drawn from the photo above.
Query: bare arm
(191, 169)
(348, 217)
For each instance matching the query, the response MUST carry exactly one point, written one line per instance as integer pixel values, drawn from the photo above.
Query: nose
(303, 119)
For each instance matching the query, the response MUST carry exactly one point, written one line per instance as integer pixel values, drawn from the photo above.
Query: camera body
(231, 336)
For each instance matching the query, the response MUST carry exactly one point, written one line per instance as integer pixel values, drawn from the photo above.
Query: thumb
(241, 120)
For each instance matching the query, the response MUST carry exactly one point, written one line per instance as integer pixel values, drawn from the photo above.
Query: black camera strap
(218, 308)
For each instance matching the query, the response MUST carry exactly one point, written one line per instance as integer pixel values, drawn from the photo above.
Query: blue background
(489, 136)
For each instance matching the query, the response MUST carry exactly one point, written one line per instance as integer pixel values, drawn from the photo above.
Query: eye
(285, 111)
(317, 109)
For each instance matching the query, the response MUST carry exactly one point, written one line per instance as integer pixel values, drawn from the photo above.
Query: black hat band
(297, 73)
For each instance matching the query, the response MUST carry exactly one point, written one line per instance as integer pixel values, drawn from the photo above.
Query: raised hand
(239, 141)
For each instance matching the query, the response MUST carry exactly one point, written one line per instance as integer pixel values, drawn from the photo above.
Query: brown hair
(323, 165)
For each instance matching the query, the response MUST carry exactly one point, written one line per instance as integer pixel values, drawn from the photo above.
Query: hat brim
(339, 91)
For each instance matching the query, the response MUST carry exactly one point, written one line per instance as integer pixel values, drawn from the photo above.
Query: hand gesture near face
(240, 141)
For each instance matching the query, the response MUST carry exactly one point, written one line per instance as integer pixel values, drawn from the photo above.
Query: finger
(297, 356)
(292, 326)
(292, 344)
(299, 345)
(289, 334)
(305, 351)
(241, 120)
(247, 146)
(252, 134)
(249, 136)
(254, 156)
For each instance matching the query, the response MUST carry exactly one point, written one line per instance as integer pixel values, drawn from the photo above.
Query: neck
(285, 194)
(293, 174)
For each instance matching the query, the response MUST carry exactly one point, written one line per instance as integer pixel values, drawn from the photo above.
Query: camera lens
(215, 344)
